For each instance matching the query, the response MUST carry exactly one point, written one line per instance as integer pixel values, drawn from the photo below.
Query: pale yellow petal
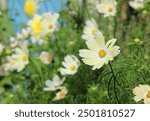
(86, 53)
(98, 65)
(93, 45)
(111, 42)
(147, 100)
(90, 62)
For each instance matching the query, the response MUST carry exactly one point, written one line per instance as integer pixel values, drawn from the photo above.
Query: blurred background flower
(18, 15)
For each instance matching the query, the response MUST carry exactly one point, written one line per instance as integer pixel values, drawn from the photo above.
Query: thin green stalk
(38, 70)
(109, 87)
(115, 80)
(101, 77)
(86, 8)
(115, 27)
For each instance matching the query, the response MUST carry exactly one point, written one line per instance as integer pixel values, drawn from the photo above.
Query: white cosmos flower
(142, 92)
(71, 64)
(10, 65)
(21, 58)
(61, 94)
(49, 22)
(46, 57)
(24, 34)
(99, 53)
(13, 65)
(137, 4)
(107, 7)
(1, 48)
(43, 25)
(39, 41)
(54, 84)
(90, 29)
(21, 54)
(35, 24)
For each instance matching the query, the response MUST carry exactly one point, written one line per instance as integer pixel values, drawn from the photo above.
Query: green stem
(86, 8)
(115, 80)
(115, 26)
(102, 76)
(38, 70)
(109, 95)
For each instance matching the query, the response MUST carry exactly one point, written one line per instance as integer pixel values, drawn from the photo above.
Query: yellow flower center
(11, 62)
(30, 7)
(93, 31)
(50, 26)
(102, 53)
(62, 94)
(48, 58)
(24, 58)
(110, 9)
(72, 68)
(148, 94)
